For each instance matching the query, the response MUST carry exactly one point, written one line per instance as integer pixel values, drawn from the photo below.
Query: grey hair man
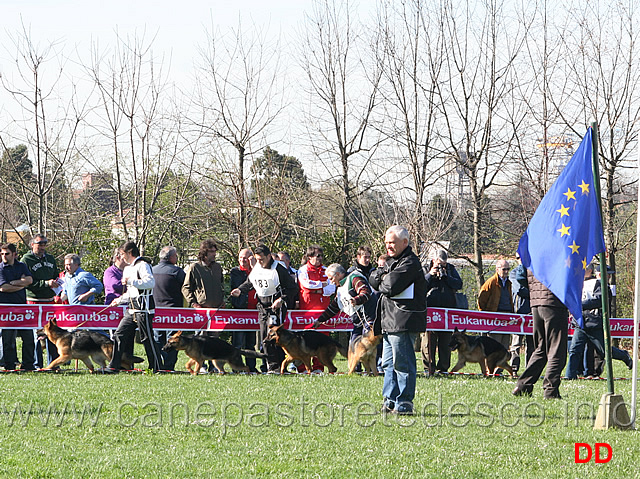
(495, 295)
(80, 286)
(167, 293)
(401, 315)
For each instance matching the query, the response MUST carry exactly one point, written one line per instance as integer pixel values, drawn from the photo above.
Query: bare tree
(147, 150)
(342, 84)
(46, 122)
(239, 97)
(603, 72)
(413, 59)
(474, 97)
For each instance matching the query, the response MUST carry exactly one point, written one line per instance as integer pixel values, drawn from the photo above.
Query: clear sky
(178, 25)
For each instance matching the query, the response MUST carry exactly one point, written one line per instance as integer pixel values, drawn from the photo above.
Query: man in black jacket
(550, 325)
(167, 293)
(400, 316)
(442, 283)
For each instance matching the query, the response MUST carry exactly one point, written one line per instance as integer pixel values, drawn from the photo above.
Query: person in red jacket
(315, 287)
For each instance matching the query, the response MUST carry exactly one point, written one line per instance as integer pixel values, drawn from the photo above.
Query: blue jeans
(399, 364)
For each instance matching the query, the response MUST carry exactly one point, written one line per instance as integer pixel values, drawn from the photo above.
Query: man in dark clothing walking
(550, 326)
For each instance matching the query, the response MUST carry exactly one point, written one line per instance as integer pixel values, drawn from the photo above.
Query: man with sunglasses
(45, 286)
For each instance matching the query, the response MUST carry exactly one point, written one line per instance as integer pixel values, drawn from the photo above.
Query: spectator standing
(521, 305)
(45, 286)
(203, 282)
(495, 295)
(80, 286)
(167, 293)
(443, 281)
(592, 331)
(248, 300)
(400, 316)
(285, 259)
(15, 277)
(112, 278)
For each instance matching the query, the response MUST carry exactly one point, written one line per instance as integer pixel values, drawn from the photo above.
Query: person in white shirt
(138, 277)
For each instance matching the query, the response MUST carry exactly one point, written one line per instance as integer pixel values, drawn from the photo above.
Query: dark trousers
(169, 358)
(124, 337)
(10, 350)
(550, 327)
(275, 354)
(52, 351)
(432, 340)
(245, 340)
(583, 337)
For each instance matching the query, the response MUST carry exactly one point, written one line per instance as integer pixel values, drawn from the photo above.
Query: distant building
(99, 192)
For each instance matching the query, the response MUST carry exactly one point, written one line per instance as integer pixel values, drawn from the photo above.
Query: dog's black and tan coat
(303, 345)
(203, 348)
(489, 353)
(82, 344)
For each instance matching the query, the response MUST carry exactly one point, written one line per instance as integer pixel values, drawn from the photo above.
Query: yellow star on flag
(584, 264)
(564, 211)
(570, 194)
(585, 187)
(564, 230)
(574, 247)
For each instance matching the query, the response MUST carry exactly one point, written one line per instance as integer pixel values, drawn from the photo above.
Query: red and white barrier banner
(29, 316)
(21, 316)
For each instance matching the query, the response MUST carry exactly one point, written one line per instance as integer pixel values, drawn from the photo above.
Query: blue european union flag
(565, 232)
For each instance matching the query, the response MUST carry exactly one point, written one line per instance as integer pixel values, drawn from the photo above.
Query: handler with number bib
(275, 291)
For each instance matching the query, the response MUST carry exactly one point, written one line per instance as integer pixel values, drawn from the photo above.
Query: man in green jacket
(45, 284)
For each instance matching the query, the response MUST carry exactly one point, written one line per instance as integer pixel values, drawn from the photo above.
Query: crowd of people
(390, 297)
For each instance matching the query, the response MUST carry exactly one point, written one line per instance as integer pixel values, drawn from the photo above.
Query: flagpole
(636, 314)
(604, 275)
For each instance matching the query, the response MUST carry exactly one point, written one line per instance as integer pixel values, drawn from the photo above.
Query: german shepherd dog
(364, 349)
(489, 353)
(82, 344)
(202, 348)
(304, 345)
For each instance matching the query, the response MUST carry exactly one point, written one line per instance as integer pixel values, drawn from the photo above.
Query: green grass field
(174, 425)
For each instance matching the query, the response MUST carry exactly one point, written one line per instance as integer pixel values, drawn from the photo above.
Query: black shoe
(522, 391)
(388, 407)
(404, 409)
(110, 371)
(628, 361)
